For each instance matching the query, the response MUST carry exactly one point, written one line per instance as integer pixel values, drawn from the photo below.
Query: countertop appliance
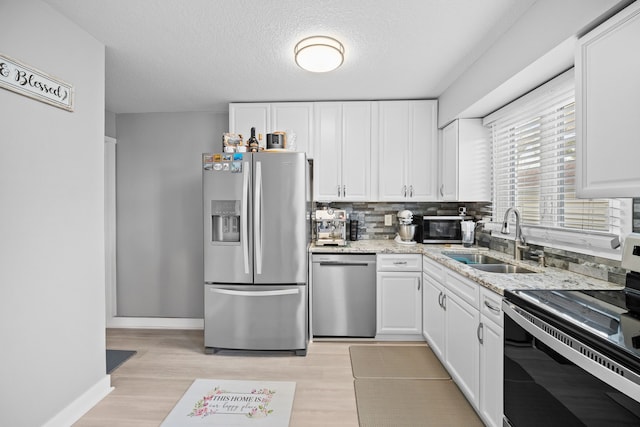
(344, 295)
(331, 227)
(442, 228)
(573, 357)
(255, 251)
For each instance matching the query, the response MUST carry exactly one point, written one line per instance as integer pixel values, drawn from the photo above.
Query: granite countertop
(543, 278)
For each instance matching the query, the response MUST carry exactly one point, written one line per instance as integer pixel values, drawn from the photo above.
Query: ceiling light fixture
(319, 54)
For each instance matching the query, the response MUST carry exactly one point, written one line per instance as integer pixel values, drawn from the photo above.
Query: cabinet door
(242, 117)
(422, 161)
(433, 315)
(491, 375)
(394, 137)
(448, 189)
(607, 108)
(327, 166)
(296, 119)
(399, 299)
(462, 346)
(356, 151)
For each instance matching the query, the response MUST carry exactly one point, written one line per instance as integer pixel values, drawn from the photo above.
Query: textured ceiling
(199, 55)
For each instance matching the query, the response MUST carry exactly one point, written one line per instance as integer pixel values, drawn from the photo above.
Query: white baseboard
(154, 323)
(74, 411)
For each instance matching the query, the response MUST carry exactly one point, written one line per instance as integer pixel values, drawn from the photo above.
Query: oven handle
(624, 379)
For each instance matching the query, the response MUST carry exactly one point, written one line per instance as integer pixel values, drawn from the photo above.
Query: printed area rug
(411, 403)
(233, 403)
(396, 361)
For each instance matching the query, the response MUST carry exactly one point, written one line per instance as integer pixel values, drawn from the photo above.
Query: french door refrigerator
(255, 251)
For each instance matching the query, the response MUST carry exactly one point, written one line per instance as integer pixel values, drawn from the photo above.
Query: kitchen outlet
(388, 219)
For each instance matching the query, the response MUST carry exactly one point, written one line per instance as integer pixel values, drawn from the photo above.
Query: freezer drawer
(344, 295)
(248, 317)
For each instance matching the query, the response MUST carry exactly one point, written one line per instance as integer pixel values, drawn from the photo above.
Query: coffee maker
(331, 227)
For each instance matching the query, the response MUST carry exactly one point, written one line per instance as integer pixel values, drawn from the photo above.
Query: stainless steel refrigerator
(256, 232)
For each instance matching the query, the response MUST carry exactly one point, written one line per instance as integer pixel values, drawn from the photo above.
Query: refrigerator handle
(281, 292)
(257, 220)
(245, 216)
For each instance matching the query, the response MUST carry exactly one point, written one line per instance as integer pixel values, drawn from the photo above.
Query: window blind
(534, 164)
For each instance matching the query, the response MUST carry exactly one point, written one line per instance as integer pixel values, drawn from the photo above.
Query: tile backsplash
(370, 215)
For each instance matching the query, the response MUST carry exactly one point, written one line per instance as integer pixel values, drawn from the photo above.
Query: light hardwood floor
(148, 385)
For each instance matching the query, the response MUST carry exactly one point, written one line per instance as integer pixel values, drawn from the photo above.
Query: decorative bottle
(252, 142)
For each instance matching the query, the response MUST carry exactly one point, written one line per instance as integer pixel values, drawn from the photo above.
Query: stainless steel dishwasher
(343, 295)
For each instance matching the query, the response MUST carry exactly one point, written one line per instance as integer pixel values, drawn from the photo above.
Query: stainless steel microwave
(442, 229)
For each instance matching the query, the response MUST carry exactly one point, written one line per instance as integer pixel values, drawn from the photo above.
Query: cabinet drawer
(464, 288)
(433, 269)
(399, 262)
(491, 305)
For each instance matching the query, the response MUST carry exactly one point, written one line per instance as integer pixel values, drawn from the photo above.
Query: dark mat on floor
(396, 361)
(116, 358)
(409, 403)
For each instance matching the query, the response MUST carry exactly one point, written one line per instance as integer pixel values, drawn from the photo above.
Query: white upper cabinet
(465, 162)
(243, 117)
(291, 117)
(407, 152)
(607, 108)
(448, 176)
(296, 119)
(342, 151)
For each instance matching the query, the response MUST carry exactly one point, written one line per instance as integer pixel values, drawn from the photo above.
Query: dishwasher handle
(343, 264)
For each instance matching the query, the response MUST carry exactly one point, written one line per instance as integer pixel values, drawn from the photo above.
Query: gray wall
(52, 294)
(159, 218)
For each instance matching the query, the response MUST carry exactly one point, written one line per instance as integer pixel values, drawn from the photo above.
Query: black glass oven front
(542, 387)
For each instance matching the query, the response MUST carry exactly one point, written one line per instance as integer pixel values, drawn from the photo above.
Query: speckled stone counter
(543, 278)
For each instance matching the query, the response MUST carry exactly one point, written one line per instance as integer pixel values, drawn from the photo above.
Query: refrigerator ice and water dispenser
(225, 221)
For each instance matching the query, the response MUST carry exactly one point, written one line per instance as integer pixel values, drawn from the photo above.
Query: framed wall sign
(28, 81)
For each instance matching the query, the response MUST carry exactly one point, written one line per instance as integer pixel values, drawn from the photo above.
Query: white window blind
(534, 165)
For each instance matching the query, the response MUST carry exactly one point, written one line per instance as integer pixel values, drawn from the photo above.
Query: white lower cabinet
(462, 323)
(399, 297)
(491, 358)
(433, 314)
(462, 348)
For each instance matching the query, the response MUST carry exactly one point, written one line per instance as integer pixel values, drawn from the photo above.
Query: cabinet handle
(411, 191)
(444, 301)
(399, 262)
(404, 191)
(344, 191)
(480, 333)
(492, 308)
(440, 299)
(419, 283)
(338, 191)
(442, 190)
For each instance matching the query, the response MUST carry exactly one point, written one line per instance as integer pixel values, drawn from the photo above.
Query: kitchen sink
(486, 263)
(501, 268)
(474, 259)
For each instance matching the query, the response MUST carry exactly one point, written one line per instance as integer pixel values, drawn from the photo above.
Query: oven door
(441, 229)
(552, 379)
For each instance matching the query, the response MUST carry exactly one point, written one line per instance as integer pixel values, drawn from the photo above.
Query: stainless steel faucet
(520, 245)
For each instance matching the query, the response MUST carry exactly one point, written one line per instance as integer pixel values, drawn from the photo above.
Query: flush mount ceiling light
(319, 54)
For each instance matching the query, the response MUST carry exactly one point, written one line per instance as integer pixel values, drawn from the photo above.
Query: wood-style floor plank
(148, 385)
